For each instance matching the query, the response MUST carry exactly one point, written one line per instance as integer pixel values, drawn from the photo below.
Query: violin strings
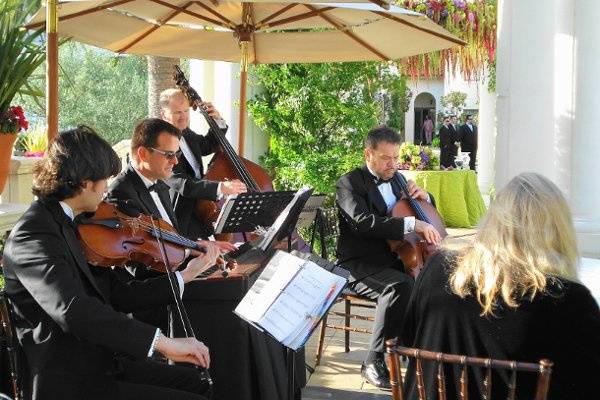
(172, 236)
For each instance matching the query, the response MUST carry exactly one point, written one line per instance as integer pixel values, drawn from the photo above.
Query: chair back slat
(394, 351)
(464, 380)
(512, 385)
(420, 380)
(9, 338)
(396, 377)
(441, 378)
(543, 384)
(326, 226)
(487, 382)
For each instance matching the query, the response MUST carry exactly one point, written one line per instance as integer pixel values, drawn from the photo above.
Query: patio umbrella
(251, 32)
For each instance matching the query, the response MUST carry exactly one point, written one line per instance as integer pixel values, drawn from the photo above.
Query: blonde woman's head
(526, 237)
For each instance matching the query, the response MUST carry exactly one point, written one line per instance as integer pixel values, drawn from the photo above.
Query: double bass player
(187, 183)
(365, 196)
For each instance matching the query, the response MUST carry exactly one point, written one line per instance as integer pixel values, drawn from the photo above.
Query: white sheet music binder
(289, 298)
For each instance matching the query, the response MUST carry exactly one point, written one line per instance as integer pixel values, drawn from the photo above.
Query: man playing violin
(365, 196)
(187, 182)
(154, 149)
(70, 317)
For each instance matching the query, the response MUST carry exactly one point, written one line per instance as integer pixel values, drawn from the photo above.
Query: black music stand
(285, 223)
(248, 211)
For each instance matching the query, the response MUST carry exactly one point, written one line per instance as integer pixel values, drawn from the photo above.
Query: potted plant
(21, 52)
(419, 158)
(35, 141)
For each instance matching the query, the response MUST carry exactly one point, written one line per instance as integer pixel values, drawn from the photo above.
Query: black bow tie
(159, 186)
(379, 181)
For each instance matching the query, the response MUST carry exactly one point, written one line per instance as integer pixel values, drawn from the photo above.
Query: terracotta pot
(6, 148)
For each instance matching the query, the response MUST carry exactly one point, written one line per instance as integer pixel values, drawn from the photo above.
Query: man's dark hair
(382, 134)
(75, 156)
(146, 132)
(468, 116)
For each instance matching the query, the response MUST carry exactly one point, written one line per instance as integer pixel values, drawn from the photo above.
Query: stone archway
(424, 105)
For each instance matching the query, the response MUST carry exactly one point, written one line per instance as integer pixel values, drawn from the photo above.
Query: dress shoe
(376, 373)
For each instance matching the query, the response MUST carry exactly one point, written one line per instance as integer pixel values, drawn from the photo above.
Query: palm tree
(160, 73)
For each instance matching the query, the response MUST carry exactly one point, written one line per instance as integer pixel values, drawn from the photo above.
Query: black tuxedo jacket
(70, 316)
(129, 186)
(468, 138)
(186, 188)
(364, 225)
(448, 149)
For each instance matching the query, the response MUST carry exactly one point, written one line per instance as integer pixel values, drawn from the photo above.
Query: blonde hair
(167, 95)
(525, 239)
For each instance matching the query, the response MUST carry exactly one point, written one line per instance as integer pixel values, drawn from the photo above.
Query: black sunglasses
(169, 155)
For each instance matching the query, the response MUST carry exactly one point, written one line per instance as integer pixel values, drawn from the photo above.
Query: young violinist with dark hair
(365, 196)
(188, 183)
(70, 317)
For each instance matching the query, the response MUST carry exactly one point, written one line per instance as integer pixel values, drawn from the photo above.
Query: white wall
(218, 82)
(435, 88)
(548, 100)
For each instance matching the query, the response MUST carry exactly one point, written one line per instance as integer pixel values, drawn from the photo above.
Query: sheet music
(271, 282)
(291, 298)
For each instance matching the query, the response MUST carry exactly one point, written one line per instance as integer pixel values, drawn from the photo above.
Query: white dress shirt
(390, 200)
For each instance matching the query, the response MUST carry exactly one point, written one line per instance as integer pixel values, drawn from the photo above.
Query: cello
(226, 164)
(414, 250)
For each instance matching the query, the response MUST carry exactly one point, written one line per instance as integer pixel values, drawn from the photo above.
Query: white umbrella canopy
(279, 32)
(251, 32)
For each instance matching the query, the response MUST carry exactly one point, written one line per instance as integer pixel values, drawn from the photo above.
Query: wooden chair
(326, 227)
(394, 351)
(8, 340)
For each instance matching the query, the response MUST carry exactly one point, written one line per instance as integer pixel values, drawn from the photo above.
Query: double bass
(414, 250)
(226, 164)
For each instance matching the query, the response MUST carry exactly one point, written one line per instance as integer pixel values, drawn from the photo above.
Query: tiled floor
(338, 375)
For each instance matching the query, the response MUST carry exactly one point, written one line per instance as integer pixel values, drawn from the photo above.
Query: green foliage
(436, 142)
(317, 116)
(453, 103)
(21, 52)
(100, 89)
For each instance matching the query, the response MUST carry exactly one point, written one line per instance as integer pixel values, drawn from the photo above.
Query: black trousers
(391, 287)
(150, 380)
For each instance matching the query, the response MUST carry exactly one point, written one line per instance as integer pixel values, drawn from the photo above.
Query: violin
(226, 163)
(112, 238)
(414, 250)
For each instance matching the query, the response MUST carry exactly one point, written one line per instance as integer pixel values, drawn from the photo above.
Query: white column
(585, 194)
(535, 89)
(486, 138)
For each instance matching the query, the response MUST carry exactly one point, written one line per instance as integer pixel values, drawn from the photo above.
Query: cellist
(187, 183)
(70, 317)
(365, 195)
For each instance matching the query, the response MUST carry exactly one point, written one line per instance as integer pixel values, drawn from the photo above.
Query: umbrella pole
(243, 85)
(52, 69)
